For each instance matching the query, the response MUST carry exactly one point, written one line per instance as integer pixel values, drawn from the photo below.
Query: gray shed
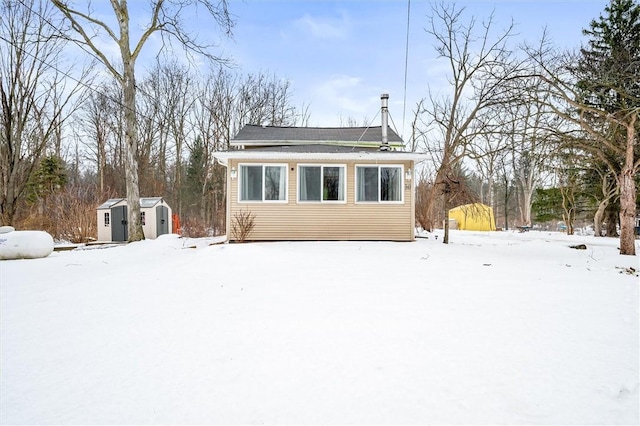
(155, 215)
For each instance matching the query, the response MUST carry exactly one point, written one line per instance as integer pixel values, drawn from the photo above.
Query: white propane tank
(24, 244)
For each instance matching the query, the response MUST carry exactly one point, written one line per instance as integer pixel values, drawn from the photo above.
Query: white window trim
(322, 166)
(379, 166)
(263, 165)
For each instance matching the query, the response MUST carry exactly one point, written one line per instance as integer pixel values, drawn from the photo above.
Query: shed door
(162, 220)
(119, 224)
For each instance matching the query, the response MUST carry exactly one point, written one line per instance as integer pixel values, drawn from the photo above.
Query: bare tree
(479, 64)
(166, 105)
(609, 190)
(213, 120)
(351, 121)
(303, 115)
(417, 139)
(611, 136)
(225, 103)
(263, 99)
(532, 132)
(486, 151)
(35, 95)
(506, 185)
(99, 124)
(165, 18)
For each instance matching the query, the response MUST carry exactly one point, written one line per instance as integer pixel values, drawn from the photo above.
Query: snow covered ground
(502, 327)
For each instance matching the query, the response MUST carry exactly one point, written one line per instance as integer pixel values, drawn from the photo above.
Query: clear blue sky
(341, 55)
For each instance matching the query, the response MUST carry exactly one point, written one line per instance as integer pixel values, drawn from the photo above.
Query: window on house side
(390, 184)
(106, 219)
(274, 183)
(321, 183)
(379, 183)
(263, 183)
(143, 218)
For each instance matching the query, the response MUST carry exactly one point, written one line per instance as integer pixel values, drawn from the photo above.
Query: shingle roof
(288, 135)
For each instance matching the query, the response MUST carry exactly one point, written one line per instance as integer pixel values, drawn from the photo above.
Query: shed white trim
(150, 208)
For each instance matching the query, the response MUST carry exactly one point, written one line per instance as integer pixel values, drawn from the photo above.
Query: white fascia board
(224, 157)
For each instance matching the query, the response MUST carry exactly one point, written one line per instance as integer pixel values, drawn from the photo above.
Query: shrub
(68, 214)
(242, 225)
(193, 227)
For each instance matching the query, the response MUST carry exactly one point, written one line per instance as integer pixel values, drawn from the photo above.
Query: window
(321, 183)
(106, 219)
(379, 183)
(263, 183)
(143, 218)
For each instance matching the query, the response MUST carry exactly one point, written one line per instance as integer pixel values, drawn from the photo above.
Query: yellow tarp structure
(473, 217)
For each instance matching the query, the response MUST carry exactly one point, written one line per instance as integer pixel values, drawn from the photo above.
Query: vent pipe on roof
(384, 98)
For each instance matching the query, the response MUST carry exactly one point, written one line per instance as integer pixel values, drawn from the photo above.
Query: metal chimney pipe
(384, 98)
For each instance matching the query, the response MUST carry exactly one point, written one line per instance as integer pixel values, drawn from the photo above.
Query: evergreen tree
(609, 67)
(608, 84)
(195, 178)
(547, 205)
(50, 176)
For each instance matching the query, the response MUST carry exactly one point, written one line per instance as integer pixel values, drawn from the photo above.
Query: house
(473, 217)
(312, 183)
(155, 215)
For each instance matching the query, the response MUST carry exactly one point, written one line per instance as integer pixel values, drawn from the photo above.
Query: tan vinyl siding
(348, 220)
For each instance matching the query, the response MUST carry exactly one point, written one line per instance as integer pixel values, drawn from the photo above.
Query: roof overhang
(238, 143)
(224, 157)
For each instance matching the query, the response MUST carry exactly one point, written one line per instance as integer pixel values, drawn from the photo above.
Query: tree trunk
(598, 217)
(8, 207)
(102, 158)
(609, 191)
(131, 164)
(568, 217)
(526, 206)
(506, 205)
(627, 213)
(445, 203)
(568, 207)
(611, 219)
(628, 196)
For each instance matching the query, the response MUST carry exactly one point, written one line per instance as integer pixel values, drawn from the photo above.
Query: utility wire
(406, 66)
(60, 32)
(54, 67)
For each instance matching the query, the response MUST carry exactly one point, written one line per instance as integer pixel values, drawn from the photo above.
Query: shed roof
(272, 135)
(109, 203)
(145, 202)
(149, 201)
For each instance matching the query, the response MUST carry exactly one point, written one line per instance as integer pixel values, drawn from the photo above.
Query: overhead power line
(406, 66)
